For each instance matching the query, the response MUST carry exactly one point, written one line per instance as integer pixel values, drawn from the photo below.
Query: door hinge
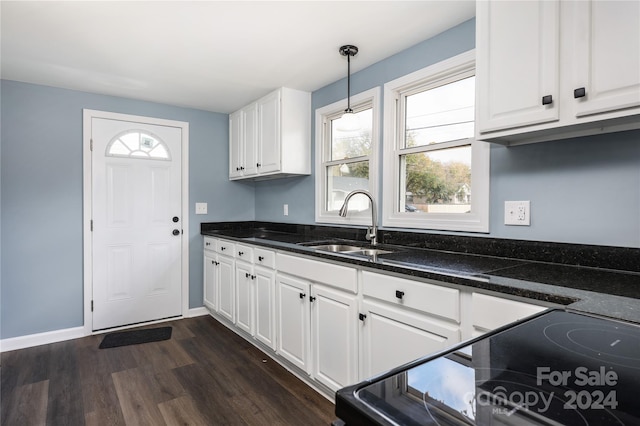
(91, 223)
(91, 145)
(92, 306)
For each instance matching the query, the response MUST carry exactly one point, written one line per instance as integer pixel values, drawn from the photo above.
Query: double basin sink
(347, 249)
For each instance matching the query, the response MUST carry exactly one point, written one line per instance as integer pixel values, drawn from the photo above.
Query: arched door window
(138, 144)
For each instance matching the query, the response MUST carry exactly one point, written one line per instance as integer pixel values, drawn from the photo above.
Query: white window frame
(322, 120)
(477, 220)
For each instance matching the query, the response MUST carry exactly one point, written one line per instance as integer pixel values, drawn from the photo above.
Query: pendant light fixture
(349, 120)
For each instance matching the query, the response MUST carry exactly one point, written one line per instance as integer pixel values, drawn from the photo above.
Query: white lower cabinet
(226, 299)
(317, 329)
(245, 280)
(490, 312)
(265, 302)
(393, 336)
(404, 320)
(210, 296)
(293, 318)
(219, 266)
(334, 319)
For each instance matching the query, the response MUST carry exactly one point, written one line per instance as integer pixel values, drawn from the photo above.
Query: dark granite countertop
(546, 277)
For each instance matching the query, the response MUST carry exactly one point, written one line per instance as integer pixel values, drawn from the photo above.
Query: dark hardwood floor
(204, 375)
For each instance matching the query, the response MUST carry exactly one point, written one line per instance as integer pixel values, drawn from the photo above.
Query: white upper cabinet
(517, 64)
(271, 137)
(550, 70)
(606, 55)
(236, 144)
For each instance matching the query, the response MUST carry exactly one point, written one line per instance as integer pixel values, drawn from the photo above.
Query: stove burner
(605, 343)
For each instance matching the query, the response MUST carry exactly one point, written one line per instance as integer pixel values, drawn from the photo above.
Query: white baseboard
(37, 339)
(197, 312)
(21, 342)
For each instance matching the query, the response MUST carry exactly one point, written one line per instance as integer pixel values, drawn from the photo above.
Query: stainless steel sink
(336, 248)
(349, 249)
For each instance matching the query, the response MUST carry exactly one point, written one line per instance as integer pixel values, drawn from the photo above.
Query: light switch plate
(201, 208)
(517, 213)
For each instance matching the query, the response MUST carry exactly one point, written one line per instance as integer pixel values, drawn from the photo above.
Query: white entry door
(137, 224)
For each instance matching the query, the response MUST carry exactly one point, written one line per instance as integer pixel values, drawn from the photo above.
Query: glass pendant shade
(349, 122)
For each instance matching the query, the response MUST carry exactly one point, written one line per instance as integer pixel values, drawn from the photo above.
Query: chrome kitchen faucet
(372, 233)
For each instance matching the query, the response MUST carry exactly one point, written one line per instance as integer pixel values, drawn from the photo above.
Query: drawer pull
(302, 295)
(260, 258)
(399, 294)
(223, 248)
(240, 253)
(361, 317)
(579, 93)
(547, 100)
(207, 244)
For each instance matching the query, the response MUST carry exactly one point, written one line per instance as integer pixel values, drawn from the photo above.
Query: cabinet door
(490, 312)
(244, 297)
(236, 144)
(265, 324)
(226, 275)
(210, 281)
(606, 49)
(269, 133)
(517, 63)
(293, 320)
(334, 337)
(250, 128)
(395, 336)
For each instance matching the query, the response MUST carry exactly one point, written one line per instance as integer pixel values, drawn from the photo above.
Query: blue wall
(41, 177)
(584, 191)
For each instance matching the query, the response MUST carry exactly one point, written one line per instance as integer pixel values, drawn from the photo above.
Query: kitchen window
(436, 175)
(346, 159)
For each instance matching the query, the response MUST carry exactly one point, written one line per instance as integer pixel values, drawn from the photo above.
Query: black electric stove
(558, 368)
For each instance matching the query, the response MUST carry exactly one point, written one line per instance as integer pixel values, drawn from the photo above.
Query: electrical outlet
(201, 208)
(285, 209)
(517, 213)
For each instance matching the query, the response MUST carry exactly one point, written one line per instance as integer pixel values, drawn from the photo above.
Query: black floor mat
(124, 338)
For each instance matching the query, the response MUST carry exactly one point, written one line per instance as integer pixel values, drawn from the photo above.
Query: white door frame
(87, 214)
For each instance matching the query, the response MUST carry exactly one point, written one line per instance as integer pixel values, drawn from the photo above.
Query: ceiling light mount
(349, 120)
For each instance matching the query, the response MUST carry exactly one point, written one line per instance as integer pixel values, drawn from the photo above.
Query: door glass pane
(136, 144)
(344, 178)
(436, 181)
(350, 144)
(442, 114)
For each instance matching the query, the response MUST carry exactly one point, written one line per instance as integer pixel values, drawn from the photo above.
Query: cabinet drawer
(432, 299)
(320, 272)
(244, 252)
(264, 257)
(225, 247)
(490, 312)
(209, 243)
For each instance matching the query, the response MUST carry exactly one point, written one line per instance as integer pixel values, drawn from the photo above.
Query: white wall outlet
(201, 208)
(517, 213)
(285, 209)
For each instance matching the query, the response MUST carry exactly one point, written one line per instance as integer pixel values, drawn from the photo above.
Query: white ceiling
(211, 55)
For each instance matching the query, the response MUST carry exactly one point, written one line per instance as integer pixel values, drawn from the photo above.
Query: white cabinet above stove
(550, 70)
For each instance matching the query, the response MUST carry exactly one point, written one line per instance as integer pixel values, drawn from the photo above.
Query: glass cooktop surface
(559, 368)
